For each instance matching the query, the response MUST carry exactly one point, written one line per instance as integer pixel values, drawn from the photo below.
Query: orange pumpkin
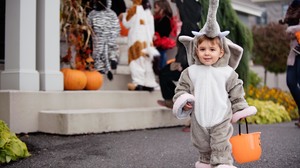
(94, 80)
(64, 69)
(74, 79)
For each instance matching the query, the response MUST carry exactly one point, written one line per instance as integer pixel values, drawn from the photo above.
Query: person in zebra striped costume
(105, 24)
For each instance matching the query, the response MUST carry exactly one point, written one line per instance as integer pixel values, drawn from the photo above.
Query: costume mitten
(249, 111)
(110, 75)
(113, 64)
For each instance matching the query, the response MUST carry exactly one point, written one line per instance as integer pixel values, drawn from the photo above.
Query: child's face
(209, 52)
(157, 9)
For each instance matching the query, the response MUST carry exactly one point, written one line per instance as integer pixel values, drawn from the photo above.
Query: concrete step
(119, 82)
(69, 122)
(82, 112)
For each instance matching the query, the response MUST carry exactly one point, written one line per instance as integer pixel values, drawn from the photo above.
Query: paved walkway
(154, 148)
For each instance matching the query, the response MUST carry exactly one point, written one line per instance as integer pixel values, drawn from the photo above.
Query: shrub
(275, 95)
(11, 147)
(254, 79)
(268, 112)
(271, 46)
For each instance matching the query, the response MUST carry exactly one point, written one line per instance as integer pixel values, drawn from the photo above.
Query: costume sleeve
(89, 19)
(236, 93)
(129, 17)
(126, 23)
(183, 95)
(163, 26)
(240, 107)
(150, 23)
(113, 48)
(115, 25)
(293, 29)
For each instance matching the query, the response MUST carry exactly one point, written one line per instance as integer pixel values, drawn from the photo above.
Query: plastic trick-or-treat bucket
(246, 147)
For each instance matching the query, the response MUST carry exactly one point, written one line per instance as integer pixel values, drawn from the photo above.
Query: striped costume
(106, 28)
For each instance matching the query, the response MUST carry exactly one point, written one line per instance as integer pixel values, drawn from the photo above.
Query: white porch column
(48, 43)
(20, 46)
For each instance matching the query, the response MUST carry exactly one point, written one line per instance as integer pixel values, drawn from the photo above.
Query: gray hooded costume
(216, 93)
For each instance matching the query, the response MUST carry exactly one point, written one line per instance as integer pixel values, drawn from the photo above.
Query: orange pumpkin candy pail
(246, 147)
(124, 31)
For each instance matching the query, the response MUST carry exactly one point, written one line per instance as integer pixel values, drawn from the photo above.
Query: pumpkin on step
(94, 80)
(74, 79)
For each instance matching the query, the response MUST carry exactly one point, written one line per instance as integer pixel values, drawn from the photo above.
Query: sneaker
(146, 88)
(132, 87)
(165, 103)
(297, 124)
(161, 103)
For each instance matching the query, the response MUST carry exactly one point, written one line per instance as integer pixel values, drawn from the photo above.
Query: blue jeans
(163, 58)
(293, 80)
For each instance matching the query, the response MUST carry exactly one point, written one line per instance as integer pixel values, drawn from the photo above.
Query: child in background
(162, 23)
(139, 20)
(105, 24)
(210, 92)
(119, 7)
(190, 15)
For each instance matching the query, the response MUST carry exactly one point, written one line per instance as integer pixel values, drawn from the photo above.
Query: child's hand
(120, 16)
(188, 106)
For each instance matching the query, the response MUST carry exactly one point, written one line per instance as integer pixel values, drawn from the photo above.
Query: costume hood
(232, 52)
(292, 14)
(108, 4)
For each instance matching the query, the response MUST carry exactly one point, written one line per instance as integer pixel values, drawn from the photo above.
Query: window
(284, 9)
(262, 20)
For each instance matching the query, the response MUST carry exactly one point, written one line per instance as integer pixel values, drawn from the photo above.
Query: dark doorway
(2, 30)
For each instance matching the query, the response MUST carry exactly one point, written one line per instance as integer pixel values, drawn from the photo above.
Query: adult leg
(163, 58)
(166, 82)
(293, 81)
(167, 85)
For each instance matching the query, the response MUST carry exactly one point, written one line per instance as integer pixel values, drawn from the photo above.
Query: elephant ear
(188, 43)
(236, 53)
(233, 53)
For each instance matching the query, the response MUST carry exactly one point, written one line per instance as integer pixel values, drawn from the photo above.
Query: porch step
(82, 121)
(119, 82)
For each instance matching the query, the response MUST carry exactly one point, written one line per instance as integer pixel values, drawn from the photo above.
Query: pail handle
(240, 126)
